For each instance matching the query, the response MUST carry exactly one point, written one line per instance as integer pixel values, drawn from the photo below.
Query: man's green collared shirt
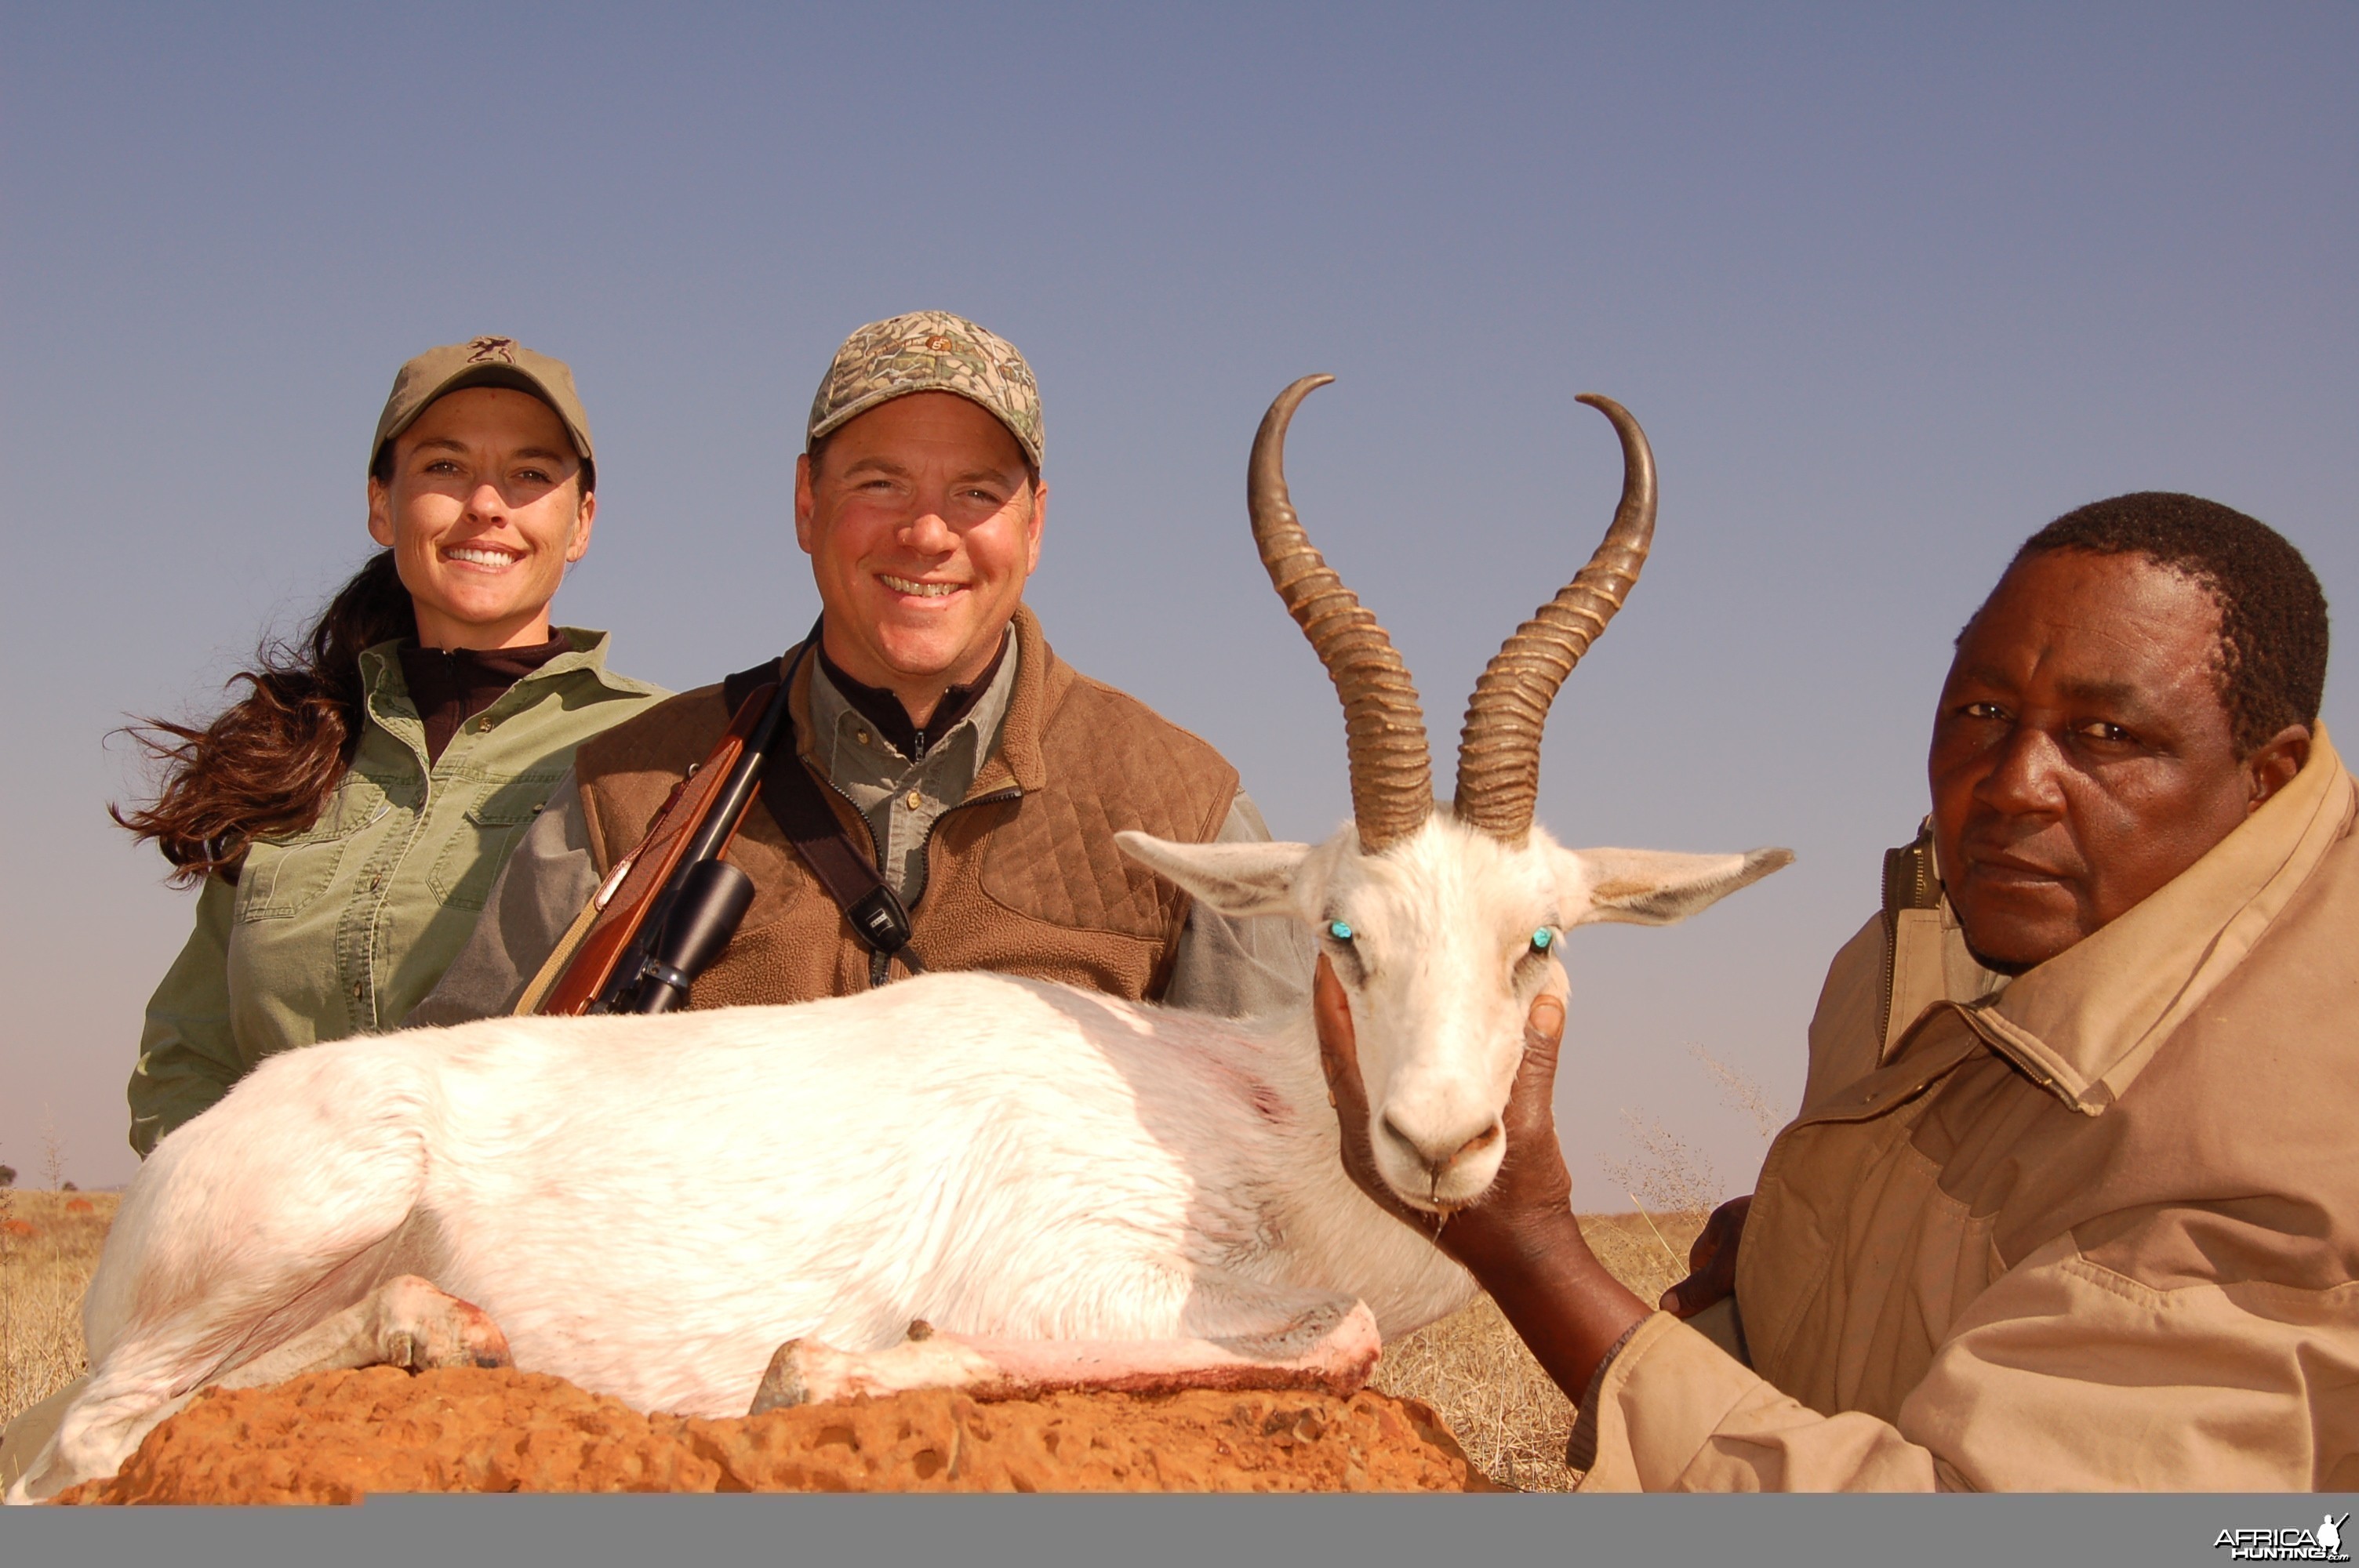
(342, 929)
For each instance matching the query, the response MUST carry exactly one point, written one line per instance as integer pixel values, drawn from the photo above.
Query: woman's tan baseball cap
(481, 361)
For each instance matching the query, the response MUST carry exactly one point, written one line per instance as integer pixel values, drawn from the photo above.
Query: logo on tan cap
(481, 361)
(930, 351)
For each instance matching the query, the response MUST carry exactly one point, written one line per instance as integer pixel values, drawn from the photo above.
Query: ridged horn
(1392, 771)
(1499, 749)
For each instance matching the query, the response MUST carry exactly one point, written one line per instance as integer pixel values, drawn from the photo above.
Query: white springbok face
(1442, 941)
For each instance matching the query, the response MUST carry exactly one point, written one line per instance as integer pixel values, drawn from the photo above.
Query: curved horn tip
(1622, 418)
(1269, 441)
(1297, 390)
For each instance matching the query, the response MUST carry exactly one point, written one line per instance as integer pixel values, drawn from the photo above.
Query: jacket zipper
(880, 965)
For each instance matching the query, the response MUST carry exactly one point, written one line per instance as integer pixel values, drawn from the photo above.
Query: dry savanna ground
(48, 1245)
(1470, 1368)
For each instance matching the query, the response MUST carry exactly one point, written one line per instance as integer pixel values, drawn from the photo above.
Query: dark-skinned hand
(1532, 1185)
(1520, 1241)
(1712, 1262)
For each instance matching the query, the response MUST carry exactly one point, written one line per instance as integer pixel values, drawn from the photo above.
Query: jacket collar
(1040, 680)
(381, 666)
(386, 693)
(841, 733)
(2086, 1023)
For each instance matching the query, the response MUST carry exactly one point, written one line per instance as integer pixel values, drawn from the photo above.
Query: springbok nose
(1436, 1155)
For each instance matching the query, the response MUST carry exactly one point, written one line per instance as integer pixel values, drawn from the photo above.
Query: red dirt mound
(334, 1437)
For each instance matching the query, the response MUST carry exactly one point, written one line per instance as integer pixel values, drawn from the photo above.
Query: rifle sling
(858, 888)
(873, 909)
(876, 915)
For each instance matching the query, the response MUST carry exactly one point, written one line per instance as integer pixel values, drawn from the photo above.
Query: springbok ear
(1654, 887)
(1236, 880)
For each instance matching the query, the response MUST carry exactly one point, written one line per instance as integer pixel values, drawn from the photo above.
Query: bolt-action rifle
(669, 907)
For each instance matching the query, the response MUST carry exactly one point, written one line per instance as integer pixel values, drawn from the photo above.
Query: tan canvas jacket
(2096, 1228)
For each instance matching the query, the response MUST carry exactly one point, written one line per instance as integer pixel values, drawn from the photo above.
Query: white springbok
(682, 1211)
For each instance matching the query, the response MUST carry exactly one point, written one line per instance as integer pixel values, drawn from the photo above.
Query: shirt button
(861, 736)
(913, 800)
(481, 725)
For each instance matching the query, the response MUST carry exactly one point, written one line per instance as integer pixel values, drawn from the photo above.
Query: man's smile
(922, 589)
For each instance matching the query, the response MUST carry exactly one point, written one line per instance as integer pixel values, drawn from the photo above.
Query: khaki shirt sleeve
(2064, 1375)
(542, 887)
(187, 1054)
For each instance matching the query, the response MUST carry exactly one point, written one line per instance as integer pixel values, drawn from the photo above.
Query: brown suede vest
(1022, 877)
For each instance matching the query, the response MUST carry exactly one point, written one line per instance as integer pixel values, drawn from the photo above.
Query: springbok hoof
(422, 1327)
(812, 1373)
(782, 1385)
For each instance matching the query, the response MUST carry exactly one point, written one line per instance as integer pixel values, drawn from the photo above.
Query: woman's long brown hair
(268, 765)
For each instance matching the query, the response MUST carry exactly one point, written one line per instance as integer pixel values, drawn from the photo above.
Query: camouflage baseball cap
(930, 351)
(481, 361)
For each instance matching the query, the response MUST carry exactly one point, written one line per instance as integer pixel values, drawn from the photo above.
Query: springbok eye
(1340, 930)
(1542, 939)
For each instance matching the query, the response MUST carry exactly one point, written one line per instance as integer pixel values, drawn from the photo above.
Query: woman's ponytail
(268, 765)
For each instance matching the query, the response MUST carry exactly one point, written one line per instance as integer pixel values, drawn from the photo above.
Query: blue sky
(1889, 288)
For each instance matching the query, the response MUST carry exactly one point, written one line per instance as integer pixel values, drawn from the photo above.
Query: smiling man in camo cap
(983, 776)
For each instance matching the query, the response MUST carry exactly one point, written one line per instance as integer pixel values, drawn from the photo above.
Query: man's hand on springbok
(1339, 1058)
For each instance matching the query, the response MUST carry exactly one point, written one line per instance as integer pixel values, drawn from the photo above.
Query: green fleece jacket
(341, 929)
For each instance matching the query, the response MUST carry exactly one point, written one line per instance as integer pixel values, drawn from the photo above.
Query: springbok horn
(1499, 749)
(1392, 771)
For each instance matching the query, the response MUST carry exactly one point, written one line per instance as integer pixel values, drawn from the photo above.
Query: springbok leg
(406, 1322)
(1331, 1345)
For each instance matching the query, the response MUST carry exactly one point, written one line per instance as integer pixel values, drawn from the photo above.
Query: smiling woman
(346, 816)
(484, 503)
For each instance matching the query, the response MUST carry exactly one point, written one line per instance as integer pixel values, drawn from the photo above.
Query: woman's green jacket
(344, 928)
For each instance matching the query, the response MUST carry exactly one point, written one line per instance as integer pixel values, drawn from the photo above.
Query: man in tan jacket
(2073, 1198)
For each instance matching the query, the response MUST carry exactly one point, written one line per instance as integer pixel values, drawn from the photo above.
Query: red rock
(334, 1437)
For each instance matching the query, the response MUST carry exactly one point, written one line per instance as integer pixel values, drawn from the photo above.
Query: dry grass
(1470, 1368)
(1510, 1417)
(48, 1245)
